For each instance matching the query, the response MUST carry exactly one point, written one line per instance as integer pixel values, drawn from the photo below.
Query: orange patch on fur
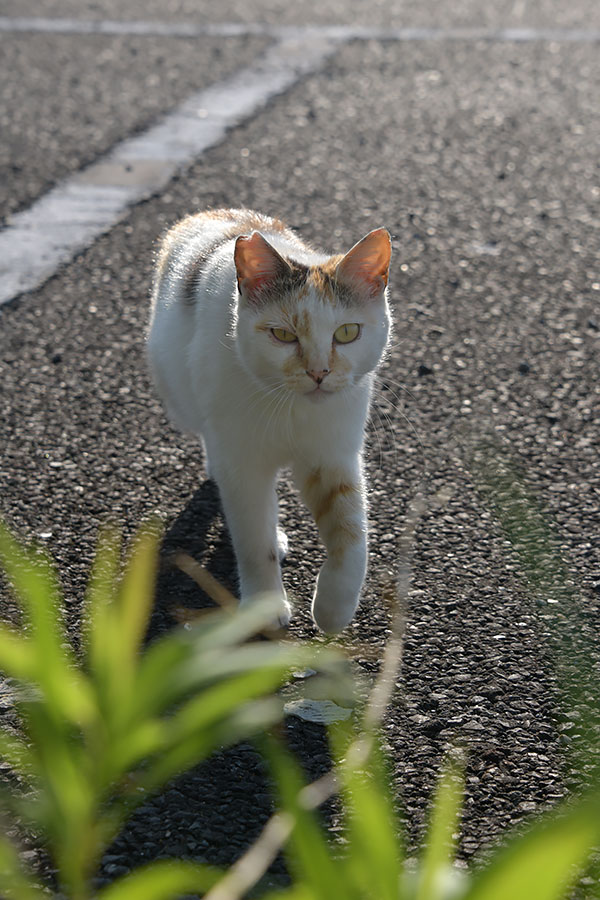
(330, 266)
(345, 534)
(323, 498)
(328, 500)
(243, 221)
(322, 278)
(301, 322)
(338, 502)
(296, 364)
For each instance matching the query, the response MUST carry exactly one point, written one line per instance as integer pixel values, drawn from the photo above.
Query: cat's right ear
(258, 266)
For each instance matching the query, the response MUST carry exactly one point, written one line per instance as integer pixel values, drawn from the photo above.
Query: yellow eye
(345, 334)
(287, 337)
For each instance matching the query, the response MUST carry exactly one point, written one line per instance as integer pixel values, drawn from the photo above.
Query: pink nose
(317, 375)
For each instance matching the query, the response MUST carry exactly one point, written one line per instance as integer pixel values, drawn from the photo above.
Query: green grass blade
(216, 702)
(136, 594)
(18, 657)
(98, 619)
(440, 842)
(66, 794)
(297, 892)
(230, 630)
(162, 677)
(200, 716)
(308, 853)
(374, 852)
(179, 665)
(117, 617)
(35, 584)
(374, 847)
(209, 664)
(130, 614)
(215, 713)
(142, 741)
(53, 667)
(243, 722)
(544, 863)
(17, 754)
(164, 880)
(14, 883)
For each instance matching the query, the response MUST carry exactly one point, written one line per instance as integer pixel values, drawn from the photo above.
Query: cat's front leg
(336, 497)
(250, 506)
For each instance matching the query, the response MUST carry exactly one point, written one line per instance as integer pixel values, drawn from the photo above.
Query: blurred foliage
(536, 547)
(543, 862)
(97, 734)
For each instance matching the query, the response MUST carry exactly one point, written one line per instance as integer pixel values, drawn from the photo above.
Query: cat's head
(314, 329)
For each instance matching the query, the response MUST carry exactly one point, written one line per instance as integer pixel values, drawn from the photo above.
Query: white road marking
(338, 32)
(72, 215)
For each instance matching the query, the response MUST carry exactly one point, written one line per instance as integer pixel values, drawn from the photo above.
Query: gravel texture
(398, 13)
(66, 100)
(482, 161)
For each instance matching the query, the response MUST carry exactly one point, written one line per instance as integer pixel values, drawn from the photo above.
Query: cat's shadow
(199, 532)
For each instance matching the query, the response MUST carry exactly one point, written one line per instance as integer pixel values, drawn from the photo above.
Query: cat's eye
(345, 334)
(282, 334)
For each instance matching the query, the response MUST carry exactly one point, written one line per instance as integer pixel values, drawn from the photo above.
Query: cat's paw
(282, 544)
(283, 618)
(282, 611)
(335, 600)
(207, 466)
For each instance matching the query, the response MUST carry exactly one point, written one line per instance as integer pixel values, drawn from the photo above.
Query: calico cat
(266, 349)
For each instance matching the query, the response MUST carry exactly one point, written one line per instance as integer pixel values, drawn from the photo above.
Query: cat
(266, 349)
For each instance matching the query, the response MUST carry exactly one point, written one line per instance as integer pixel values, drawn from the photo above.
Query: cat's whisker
(378, 434)
(394, 345)
(398, 409)
(251, 402)
(384, 431)
(280, 406)
(384, 380)
(289, 424)
(276, 395)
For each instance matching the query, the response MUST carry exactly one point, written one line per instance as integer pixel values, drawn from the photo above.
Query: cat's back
(197, 254)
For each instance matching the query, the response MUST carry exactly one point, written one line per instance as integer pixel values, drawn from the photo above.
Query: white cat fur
(221, 377)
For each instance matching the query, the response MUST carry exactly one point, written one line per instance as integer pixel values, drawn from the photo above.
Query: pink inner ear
(256, 261)
(368, 262)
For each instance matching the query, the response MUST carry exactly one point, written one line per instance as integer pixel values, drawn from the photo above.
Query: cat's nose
(317, 375)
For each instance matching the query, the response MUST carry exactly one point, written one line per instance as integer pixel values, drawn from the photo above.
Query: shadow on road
(198, 530)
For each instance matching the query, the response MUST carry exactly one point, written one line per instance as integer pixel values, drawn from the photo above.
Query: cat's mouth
(317, 394)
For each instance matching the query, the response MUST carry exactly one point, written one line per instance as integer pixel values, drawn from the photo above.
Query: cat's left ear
(258, 265)
(366, 266)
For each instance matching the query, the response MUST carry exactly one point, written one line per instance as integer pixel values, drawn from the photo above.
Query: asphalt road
(481, 158)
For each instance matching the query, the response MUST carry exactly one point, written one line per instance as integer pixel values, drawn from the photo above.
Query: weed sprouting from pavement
(99, 733)
(102, 732)
(536, 549)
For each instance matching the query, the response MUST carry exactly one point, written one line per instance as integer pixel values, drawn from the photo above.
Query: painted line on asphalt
(39, 24)
(72, 215)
